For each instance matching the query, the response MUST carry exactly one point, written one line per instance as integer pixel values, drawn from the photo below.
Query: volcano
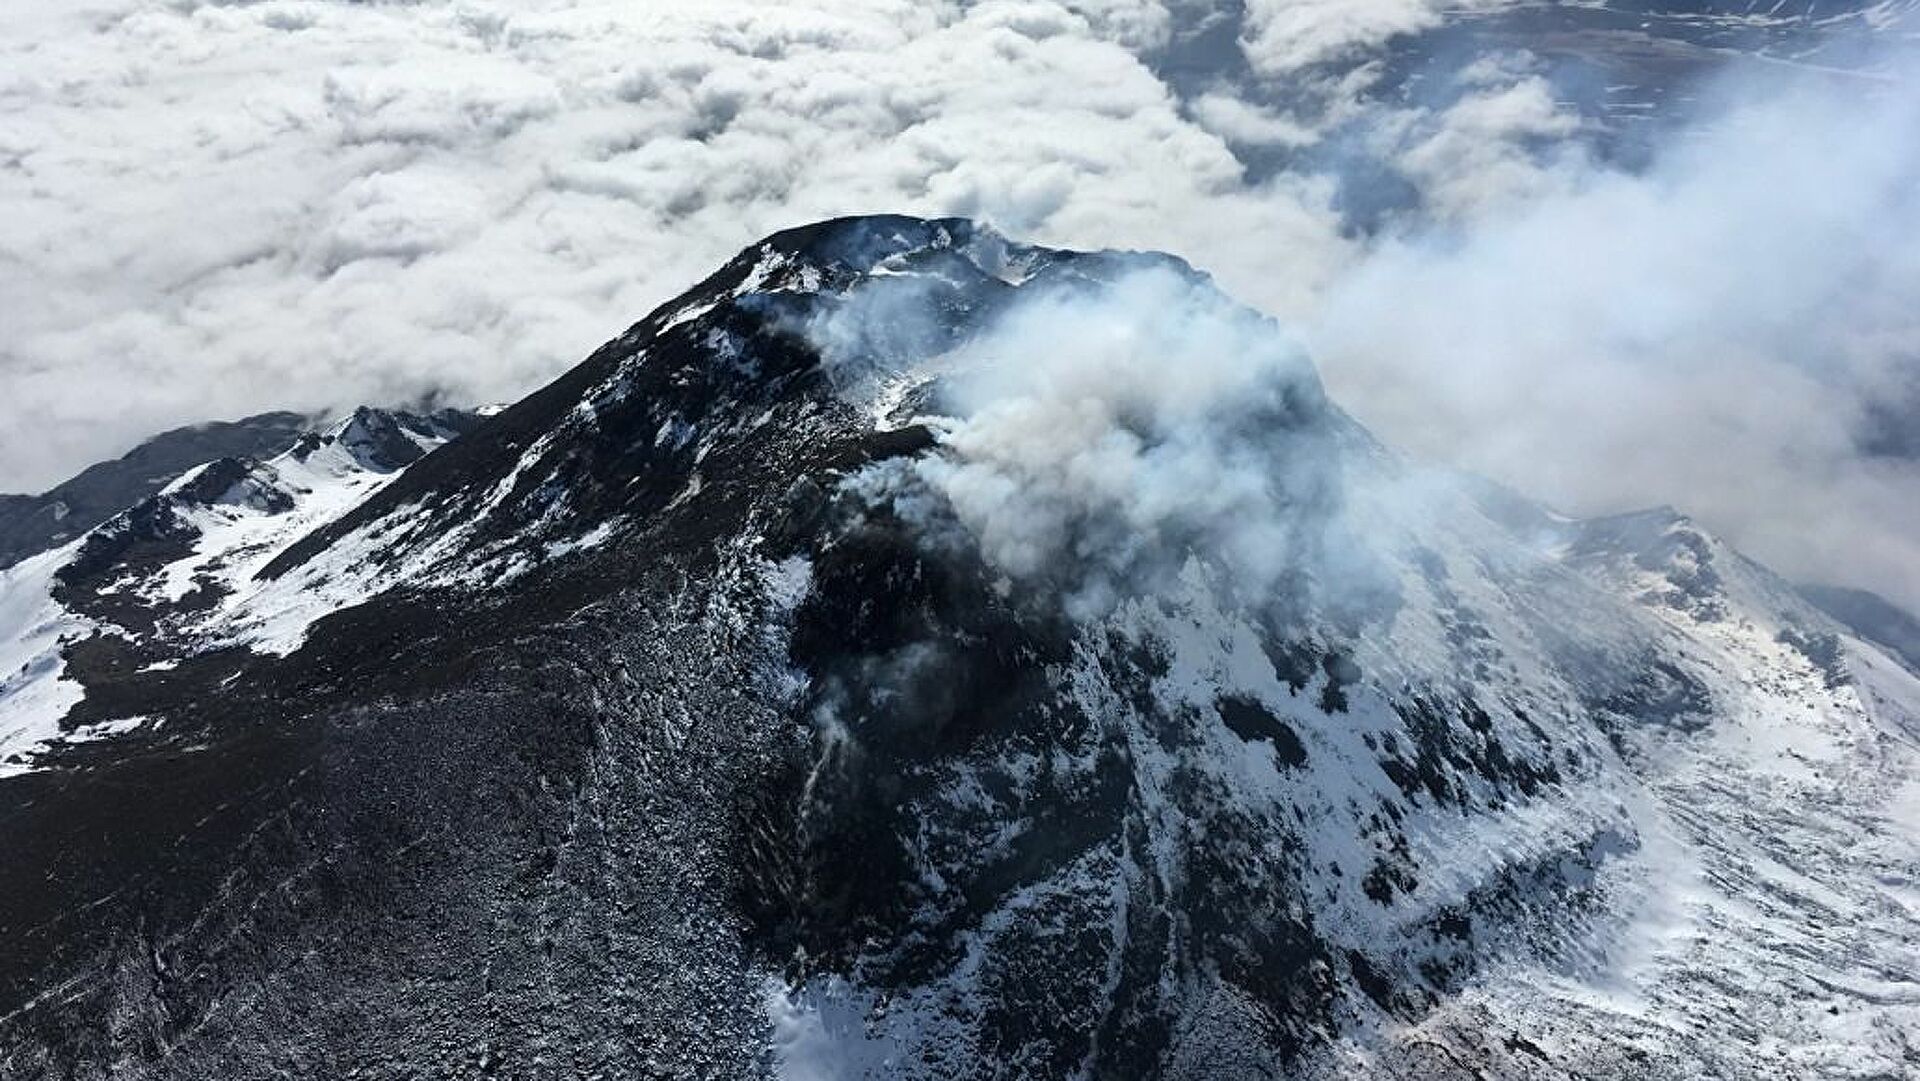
(913, 653)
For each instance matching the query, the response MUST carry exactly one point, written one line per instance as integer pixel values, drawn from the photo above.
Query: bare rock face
(910, 653)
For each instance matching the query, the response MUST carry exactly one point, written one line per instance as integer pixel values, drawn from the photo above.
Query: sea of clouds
(214, 209)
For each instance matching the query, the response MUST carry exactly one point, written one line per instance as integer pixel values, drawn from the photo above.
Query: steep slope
(1872, 617)
(1778, 935)
(915, 654)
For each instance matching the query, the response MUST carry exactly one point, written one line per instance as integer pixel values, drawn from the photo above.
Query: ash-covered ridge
(911, 653)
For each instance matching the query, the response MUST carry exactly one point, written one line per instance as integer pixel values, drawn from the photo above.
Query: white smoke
(1133, 407)
(1734, 330)
(1722, 331)
(1103, 438)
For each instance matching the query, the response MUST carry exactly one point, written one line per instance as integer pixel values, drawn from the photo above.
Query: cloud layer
(212, 209)
(208, 210)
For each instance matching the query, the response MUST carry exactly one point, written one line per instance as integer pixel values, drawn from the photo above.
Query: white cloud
(208, 209)
(1283, 36)
(1479, 152)
(1243, 123)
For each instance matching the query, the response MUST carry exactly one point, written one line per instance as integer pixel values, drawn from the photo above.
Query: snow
(820, 1033)
(238, 533)
(1744, 880)
(592, 538)
(34, 696)
(769, 263)
(89, 733)
(1770, 913)
(238, 539)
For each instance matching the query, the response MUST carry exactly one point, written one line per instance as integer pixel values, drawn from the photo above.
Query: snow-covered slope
(33, 523)
(915, 654)
(172, 576)
(33, 629)
(1770, 928)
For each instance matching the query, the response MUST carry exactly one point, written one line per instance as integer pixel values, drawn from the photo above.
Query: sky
(209, 210)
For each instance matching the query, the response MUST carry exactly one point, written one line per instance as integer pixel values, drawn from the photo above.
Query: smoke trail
(1732, 331)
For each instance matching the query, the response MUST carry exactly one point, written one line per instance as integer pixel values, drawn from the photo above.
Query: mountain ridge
(33, 523)
(912, 653)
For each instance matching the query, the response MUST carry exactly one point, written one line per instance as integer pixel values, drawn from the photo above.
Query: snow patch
(820, 1033)
(34, 693)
